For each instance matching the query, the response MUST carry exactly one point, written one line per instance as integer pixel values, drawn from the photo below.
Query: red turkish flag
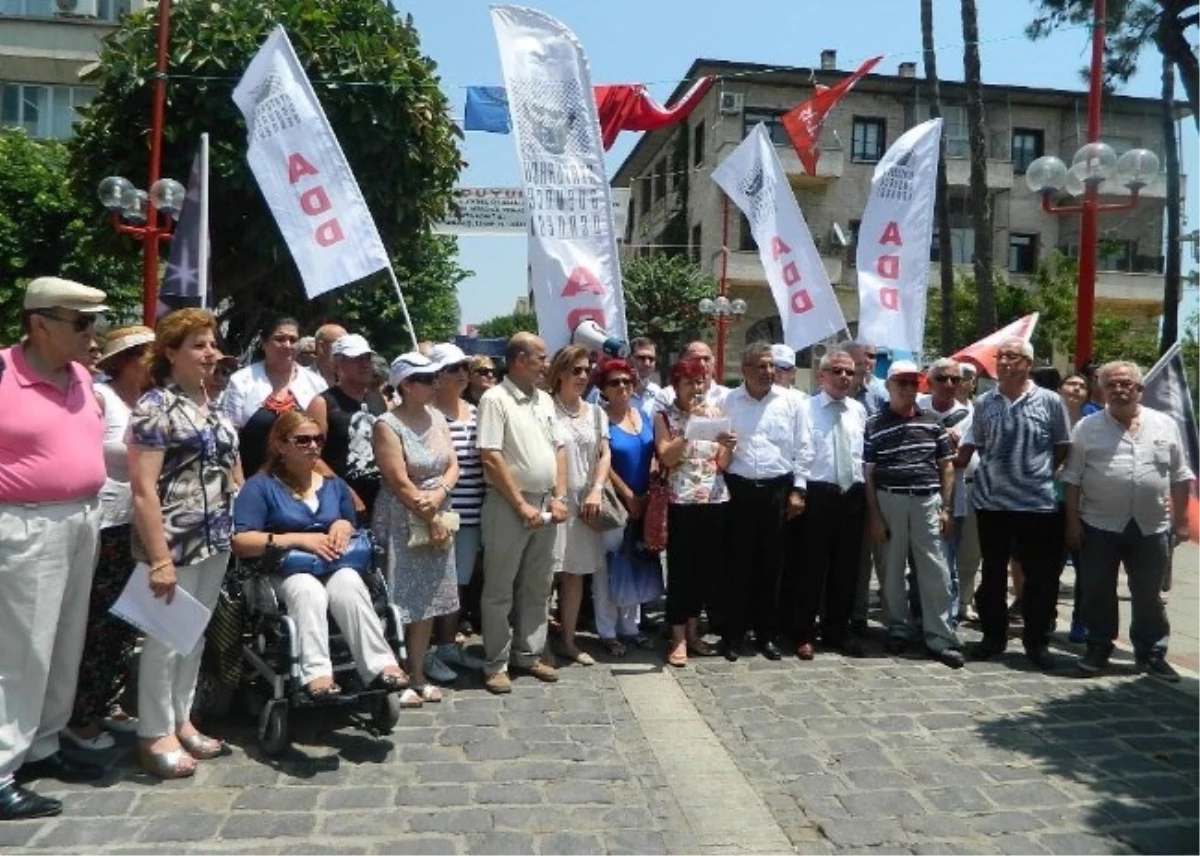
(803, 123)
(983, 352)
(629, 107)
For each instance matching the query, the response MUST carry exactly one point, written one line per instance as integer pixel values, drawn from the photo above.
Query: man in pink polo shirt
(51, 470)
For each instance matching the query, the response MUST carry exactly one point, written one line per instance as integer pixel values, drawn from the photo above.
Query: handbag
(418, 528)
(613, 514)
(634, 573)
(654, 522)
(359, 555)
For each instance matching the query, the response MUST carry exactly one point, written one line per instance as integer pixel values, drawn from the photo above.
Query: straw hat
(124, 338)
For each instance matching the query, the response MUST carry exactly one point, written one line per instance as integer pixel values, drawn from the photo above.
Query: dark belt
(912, 491)
(759, 483)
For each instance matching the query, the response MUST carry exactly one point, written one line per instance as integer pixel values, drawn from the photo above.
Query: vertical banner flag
(893, 241)
(573, 269)
(803, 123)
(186, 281)
(753, 178)
(303, 173)
(983, 353)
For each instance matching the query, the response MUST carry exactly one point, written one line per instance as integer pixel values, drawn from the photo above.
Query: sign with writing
(486, 211)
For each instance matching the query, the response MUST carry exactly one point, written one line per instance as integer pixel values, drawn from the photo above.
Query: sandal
(328, 690)
(429, 693)
(614, 647)
(203, 748)
(678, 654)
(175, 764)
(390, 682)
(410, 698)
(582, 658)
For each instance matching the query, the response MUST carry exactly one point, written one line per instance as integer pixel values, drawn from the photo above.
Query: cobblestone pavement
(881, 754)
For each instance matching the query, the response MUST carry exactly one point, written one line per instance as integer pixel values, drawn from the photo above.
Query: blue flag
(181, 282)
(487, 110)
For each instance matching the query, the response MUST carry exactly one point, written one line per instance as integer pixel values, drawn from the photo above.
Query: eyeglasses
(905, 382)
(945, 379)
(457, 367)
(645, 358)
(618, 381)
(841, 371)
(485, 372)
(1119, 384)
(304, 441)
(1010, 356)
(79, 323)
(580, 371)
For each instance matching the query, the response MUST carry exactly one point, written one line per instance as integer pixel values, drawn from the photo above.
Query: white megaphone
(593, 337)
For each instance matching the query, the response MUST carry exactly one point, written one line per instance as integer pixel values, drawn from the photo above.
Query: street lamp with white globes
(722, 309)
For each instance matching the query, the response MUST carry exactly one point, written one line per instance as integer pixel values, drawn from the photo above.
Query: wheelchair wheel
(273, 729)
(385, 712)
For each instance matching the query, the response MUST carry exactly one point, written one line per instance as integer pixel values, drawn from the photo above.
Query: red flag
(803, 123)
(628, 107)
(983, 352)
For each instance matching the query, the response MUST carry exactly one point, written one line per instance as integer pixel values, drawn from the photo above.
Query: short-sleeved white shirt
(524, 430)
(249, 387)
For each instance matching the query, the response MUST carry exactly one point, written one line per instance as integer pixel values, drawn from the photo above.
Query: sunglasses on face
(79, 323)
(618, 381)
(485, 372)
(580, 371)
(454, 369)
(423, 379)
(304, 441)
(841, 371)
(945, 379)
(1010, 356)
(905, 382)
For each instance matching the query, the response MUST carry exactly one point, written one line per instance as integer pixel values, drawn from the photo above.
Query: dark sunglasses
(945, 379)
(841, 372)
(580, 371)
(423, 379)
(619, 381)
(906, 382)
(485, 372)
(457, 367)
(79, 323)
(303, 441)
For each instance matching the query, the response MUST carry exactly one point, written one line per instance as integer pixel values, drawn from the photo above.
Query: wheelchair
(270, 655)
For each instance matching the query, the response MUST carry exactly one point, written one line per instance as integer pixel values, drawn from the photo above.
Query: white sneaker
(438, 671)
(456, 657)
(99, 743)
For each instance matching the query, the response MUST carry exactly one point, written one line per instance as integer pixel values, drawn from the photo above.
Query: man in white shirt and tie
(827, 569)
(767, 481)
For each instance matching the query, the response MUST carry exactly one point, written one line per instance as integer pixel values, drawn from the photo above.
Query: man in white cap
(51, 472)
(909, 469)
(784, 359)
(346, 414)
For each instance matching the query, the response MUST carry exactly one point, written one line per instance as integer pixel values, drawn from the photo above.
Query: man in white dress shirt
(827, 569)
(767, 481)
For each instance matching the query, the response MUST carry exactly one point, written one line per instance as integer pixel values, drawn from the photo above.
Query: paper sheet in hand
(178, 625)
(702, 428)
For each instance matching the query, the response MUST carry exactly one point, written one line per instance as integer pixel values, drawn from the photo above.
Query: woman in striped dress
(466, 498)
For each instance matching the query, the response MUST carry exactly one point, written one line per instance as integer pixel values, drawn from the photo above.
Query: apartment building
(675, 204)
(44, 45)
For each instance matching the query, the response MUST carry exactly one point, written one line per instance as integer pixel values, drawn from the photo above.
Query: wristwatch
(561, 499)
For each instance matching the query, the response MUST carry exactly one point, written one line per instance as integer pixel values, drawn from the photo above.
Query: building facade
(675, 205)
(44, 46)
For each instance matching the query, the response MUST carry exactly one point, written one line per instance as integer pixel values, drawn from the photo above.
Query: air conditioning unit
(77, 8)
(730, 104)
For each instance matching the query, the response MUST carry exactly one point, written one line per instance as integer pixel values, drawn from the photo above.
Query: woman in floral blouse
(183, 462)
(696, 510)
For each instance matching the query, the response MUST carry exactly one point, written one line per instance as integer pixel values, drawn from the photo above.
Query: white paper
(178, 625)
(702, 428)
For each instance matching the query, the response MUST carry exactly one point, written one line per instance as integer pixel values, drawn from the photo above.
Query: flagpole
(202, 252)
(412, 331)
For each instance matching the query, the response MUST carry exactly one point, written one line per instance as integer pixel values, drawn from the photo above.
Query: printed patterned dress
(424, 580)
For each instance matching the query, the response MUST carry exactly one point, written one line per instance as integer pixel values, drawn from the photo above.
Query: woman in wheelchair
(291, 510)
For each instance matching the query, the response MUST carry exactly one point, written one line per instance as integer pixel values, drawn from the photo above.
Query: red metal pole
(1085, 317)
(153, 233)
(719, 374)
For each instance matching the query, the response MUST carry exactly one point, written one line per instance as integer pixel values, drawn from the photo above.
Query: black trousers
(830, 537)
(751, 584)
(1036, 538)
(695, 556)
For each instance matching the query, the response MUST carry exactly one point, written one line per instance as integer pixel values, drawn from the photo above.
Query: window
(1027, 146)
(660, 180)
(45, 112)
(694, 247)
(1022, 253)
(1115, 254)
(644, 187)
(962, 245)
(698, 144)
(746, 240)
(773, 119)
(868, 140)
(106, 10)
(954, 131)
(852, 238)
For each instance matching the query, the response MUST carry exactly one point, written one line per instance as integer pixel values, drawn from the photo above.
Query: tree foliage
(507, 326)
(44, 230)
(1130, 25)
(382, 98)
(662, 294)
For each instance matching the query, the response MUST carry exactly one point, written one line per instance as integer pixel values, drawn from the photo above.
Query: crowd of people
(153, 459)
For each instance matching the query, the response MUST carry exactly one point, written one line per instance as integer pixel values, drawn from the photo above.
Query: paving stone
(636, 841)
(496, 749)
(181, 826)
(537, 819)
(879, 779)
(266, 825)
(453, 820)
(510, 794)
(433, 795)
(882, 803)
(1003, 822)
(88, 833)
(855, 833)
(455, 771)
(277, 799)
(416, 845)
(17, 833)
(817, 785)
(957, 799)
(1081, 842)
(1017, 845)
(576, 792)
(570, 844)
(357, 798)
(1026, 794)
(1169, 838)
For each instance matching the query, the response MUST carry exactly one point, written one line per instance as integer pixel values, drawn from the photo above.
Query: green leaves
(507, 326)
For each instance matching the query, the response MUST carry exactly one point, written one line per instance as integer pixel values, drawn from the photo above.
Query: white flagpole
(412, 331)
(202, 252)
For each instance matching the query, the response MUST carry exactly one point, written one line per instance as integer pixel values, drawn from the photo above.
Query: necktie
(843, 462)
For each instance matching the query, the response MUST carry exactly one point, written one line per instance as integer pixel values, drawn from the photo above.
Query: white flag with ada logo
(893, 241)
(754, 179)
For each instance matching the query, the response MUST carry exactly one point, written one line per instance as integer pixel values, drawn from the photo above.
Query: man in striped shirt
(1022, 434)
(910, 481)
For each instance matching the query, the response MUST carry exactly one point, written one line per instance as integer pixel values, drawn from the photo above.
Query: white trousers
(167, 679)
(47, 558)
(343, 594)
(612, 621)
